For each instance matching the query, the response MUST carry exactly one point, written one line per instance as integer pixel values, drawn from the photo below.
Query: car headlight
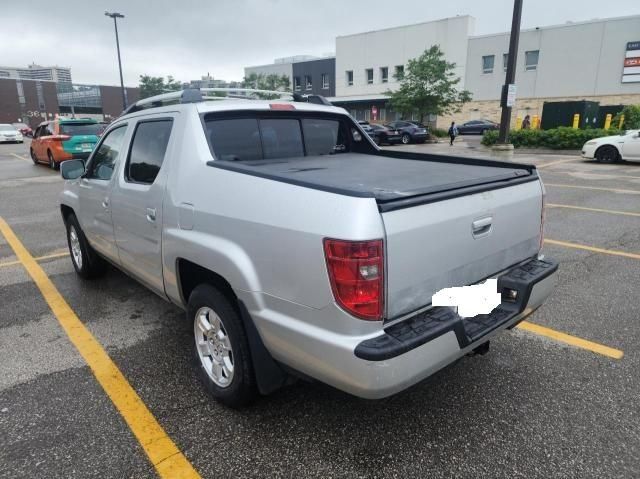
(591, 143)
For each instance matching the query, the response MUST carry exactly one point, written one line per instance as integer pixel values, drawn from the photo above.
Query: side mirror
(72, 169)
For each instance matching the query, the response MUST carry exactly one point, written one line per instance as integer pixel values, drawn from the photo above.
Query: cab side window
(104, 159)
(148, 148)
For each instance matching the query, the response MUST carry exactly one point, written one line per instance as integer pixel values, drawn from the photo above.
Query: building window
(296, 83)
(487, 63)
(399, 72)
(368, 73)
(531, 60)
(505, 61)
(384, 74)
(308, 84)
(325, 81)
(349, 75)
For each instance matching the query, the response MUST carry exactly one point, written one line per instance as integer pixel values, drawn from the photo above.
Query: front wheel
(607, 154)
(220, 348)
(85, 260)
(33, 156)
(406, 139)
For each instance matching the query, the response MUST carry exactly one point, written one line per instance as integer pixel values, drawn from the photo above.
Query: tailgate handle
(482, 226)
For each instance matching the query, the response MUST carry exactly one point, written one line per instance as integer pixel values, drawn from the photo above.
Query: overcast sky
(187, 39)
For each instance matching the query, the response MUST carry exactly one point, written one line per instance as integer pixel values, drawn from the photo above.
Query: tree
(267, 82)
(428, 86)
(150, 86)
(631, 117)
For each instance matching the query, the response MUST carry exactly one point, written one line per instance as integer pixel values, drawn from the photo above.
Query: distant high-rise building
(37, 72)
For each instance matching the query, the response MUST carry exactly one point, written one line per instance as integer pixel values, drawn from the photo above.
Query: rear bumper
(80, 156)
(419, 136)
(409, 351)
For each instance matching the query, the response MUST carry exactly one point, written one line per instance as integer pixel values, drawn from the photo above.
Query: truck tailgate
(458, 241)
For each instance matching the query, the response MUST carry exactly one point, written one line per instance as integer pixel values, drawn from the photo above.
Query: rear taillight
(356, 275)
(542, 215)
(60, 137)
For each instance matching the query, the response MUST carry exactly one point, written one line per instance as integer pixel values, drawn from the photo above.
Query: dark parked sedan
(383, 134)
(410, 131)
(477, 127)
(366, 127)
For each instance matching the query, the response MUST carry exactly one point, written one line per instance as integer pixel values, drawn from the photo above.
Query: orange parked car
(64, 139)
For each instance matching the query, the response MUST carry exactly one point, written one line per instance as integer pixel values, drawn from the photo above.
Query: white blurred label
(470, 300)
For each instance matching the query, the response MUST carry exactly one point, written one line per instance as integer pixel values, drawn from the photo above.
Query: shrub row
(563, 138)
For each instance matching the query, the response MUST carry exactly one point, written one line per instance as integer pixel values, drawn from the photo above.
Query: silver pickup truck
(299, 248)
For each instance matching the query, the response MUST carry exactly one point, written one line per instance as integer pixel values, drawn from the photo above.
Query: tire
(607, 154)
(406, 139)
(33, 156)
(52, 163)
(87, 263)
(220, 348)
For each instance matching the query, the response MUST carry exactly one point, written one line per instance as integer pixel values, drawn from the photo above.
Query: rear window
(73, 129)
(250, 139)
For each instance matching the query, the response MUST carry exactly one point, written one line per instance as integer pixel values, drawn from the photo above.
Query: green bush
(439, 132)
(631, 117)
(563, 138)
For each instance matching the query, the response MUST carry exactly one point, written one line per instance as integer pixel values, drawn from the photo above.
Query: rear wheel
(52, 163)
(220, 347)
(85, 260)
(406, 139)
(607, 154)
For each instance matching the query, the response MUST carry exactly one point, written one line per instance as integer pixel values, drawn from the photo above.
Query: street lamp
(115, 16)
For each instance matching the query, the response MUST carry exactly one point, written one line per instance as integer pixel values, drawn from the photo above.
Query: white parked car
(609, 149)
(9, 133)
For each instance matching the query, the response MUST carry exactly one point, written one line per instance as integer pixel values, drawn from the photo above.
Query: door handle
(482, 226)
(105, 203)
(151, 214)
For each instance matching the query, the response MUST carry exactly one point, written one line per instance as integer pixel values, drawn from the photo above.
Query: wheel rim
(213, 346)
(405, 139)
(74, 244)
(51, 162)
(607, 155)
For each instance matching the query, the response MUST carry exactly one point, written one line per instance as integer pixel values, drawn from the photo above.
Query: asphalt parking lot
(549, 400)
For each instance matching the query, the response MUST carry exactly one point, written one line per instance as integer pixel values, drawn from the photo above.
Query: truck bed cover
(394, 179)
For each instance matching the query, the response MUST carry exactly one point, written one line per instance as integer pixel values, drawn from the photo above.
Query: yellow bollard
(621, 122)
(607, 121)
(576, 121)
(518, 122)
(535, 122)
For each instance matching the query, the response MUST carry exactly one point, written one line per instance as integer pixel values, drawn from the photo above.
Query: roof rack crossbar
(194, 95)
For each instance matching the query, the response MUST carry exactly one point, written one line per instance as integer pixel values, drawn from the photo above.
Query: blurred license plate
(86, 146)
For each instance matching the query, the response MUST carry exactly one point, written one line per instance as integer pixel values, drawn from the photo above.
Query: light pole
(505, 119)
(115, 16)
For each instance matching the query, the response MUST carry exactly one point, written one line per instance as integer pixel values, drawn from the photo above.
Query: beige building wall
(490, 109)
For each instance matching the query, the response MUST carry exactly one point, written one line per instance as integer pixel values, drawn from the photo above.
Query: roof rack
(195, 95)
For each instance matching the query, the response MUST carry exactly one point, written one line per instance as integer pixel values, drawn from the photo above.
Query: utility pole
(510, 79)
(115, 16)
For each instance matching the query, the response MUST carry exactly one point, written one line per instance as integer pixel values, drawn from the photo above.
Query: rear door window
(148, 149)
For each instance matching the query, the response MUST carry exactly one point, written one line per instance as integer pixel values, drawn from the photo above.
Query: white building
(573, 61)
(37, 72)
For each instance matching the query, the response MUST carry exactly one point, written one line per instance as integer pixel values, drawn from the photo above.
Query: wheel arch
(606, 145)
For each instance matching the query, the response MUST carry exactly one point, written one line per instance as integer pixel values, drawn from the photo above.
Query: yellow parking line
(20, 157)
(592, 249)
(571, 340)
(39, 258)
(613, 190)
(544, 165)
(161, 450)
(597, 210)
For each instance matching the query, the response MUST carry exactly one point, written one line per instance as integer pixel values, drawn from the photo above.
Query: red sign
(632, 62)
(374, 113)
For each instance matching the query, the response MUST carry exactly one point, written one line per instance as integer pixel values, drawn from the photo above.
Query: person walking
(453, 132)
(526, 123)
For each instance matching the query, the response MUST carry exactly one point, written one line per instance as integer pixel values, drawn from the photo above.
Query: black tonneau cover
(394, 179)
